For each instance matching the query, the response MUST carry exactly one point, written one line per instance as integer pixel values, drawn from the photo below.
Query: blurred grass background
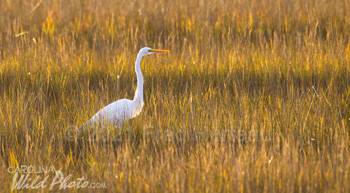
(270, 78)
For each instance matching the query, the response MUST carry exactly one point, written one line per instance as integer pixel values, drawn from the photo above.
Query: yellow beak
(154, 50)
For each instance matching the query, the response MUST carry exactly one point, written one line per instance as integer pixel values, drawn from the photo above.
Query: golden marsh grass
(254, 96)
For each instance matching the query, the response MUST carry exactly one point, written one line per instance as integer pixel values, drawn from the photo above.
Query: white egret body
(118, 112)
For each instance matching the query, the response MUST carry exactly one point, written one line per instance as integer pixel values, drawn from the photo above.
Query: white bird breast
(117, 113)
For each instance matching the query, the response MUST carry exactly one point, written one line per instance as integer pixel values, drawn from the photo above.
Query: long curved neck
(139, 90)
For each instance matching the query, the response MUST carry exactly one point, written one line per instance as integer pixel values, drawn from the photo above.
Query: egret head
(147, 50)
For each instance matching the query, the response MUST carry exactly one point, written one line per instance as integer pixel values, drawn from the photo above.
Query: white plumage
(118, 112)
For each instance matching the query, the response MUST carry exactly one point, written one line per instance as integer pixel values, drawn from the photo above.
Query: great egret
(118, 112)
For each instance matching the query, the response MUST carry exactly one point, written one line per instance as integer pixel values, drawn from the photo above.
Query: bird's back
(114, 114)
